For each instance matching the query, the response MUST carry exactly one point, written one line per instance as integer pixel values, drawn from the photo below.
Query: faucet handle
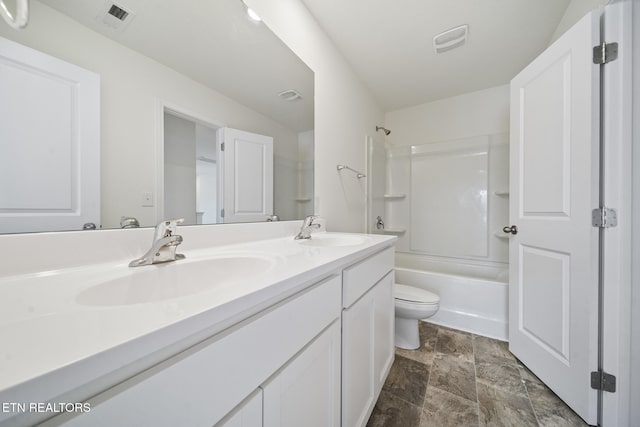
(129, 222)
(309, 220)
(167, 227)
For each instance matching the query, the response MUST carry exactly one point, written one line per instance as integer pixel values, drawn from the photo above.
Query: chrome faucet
(307, 227)
(165, 242)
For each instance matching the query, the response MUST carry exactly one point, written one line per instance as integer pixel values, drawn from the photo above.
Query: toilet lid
(410, 293)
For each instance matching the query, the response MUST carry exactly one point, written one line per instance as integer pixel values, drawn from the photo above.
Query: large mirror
(126, 112)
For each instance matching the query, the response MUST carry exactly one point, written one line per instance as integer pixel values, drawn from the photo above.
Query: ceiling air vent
(114, 16)
(118, 12)
(290, 95)
(451, 39)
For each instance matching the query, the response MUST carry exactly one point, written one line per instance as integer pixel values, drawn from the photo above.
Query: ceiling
(389, 43)
(214, 43)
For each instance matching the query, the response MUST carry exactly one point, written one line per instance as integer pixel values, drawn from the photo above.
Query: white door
(553, 258)
(49, 142)
(245, 176)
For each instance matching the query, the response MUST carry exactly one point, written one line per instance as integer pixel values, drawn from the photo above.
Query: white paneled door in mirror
(245, 176)
(49, 142)
(553, 268)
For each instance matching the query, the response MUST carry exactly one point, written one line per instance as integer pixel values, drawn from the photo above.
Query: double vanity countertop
(64, 333)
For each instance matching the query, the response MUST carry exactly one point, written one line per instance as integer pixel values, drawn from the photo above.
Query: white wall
(306, 145)
(285, 184)
(132, 86)
(179, 168)
(206, 174)
(576, 10)
(206, 138)
(345, 111)
(483, 112)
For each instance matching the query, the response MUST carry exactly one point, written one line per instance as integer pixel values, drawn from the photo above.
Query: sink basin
(177, 279)
(331, 240)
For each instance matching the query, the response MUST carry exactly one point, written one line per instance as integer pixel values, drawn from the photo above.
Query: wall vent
(451, 39)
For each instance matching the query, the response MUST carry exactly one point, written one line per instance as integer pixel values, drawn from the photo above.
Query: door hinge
(222, 147)
(222, 213)
(604, 53)
(600, 380)
(604, 218)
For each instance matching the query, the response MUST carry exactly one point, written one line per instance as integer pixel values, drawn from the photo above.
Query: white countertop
(58, 334)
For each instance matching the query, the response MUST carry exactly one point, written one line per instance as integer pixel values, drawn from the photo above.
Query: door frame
(634, 393)
(617, 193)
(163, 106)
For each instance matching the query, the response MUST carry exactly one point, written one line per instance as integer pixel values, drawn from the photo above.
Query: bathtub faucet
(307, 227)
(163, 248)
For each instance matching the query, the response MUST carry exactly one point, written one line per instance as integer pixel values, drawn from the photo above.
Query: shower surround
(447, 198)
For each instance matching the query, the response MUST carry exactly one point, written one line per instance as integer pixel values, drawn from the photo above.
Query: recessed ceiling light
(253, 15)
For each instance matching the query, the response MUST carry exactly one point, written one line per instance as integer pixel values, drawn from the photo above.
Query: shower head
(386, 131)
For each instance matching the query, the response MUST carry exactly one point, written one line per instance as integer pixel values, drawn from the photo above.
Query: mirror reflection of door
(190, 170)
(49, 142)
(208, 183)
(245, 177)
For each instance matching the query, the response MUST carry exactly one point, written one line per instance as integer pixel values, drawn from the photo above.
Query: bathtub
(473, 296)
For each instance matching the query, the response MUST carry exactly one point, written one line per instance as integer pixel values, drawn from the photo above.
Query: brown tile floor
(461, 379)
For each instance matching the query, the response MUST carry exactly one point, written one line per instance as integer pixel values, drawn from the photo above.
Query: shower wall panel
(449, 184)
(456, 200)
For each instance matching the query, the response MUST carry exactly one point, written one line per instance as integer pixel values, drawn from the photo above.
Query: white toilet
(412, 304)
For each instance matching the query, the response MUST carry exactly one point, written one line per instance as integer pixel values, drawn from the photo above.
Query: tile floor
(461, 379)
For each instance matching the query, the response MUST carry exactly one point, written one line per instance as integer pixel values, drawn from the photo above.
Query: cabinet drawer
(199, 386)
(361, 277)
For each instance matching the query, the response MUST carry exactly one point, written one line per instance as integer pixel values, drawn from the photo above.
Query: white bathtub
(473, 297)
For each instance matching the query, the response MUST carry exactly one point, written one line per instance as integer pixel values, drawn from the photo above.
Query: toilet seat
(415, 295)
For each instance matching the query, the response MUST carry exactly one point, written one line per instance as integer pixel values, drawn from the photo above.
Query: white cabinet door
(247, 414)
(245, 176)
(553, 259)
(306, 392)
(49, 142)
(358, 388)
(367, 351)
(384, 329)
(201, 385)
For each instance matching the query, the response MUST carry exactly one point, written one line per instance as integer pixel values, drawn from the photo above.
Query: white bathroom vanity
(267, 332)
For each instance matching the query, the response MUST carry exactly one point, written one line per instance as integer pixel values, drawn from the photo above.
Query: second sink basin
(177, 279)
